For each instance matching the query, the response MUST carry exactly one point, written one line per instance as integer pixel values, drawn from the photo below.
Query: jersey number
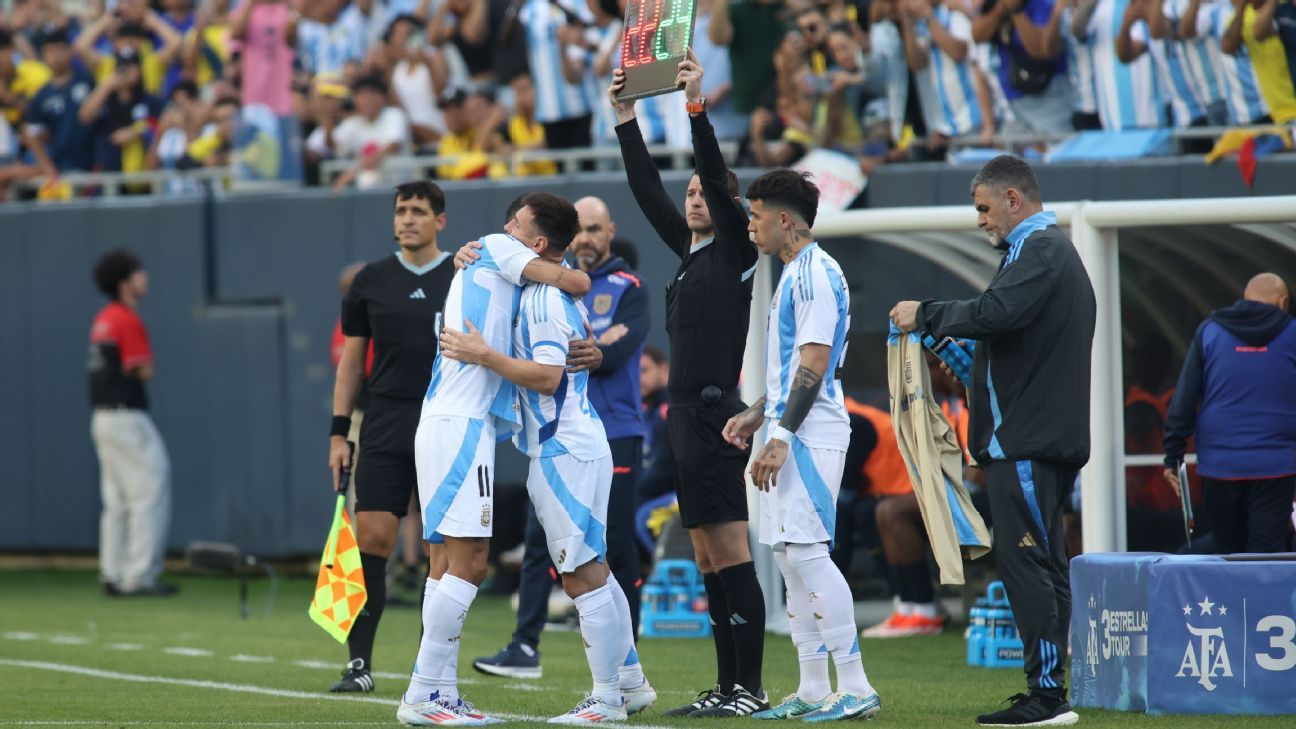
(483, 481)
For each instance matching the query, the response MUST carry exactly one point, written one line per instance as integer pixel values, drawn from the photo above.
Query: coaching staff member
(707, 307)
(134, 469)
(393, 302)
(1241, 372)
(1034, 329)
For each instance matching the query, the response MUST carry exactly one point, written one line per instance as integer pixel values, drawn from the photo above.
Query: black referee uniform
(395, 305)
(1029, 426)
(708, 304)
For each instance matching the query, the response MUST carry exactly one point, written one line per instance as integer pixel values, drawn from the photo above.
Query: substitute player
(708, 304)
(454, 448)
(570, 480)
(392, 303)
(807, 421)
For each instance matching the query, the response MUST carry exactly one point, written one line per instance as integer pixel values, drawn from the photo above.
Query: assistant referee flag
(340, 592)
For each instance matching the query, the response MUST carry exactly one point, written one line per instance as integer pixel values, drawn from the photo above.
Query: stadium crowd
(281, 85)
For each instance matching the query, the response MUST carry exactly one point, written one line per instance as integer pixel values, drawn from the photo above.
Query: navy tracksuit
(616, 296)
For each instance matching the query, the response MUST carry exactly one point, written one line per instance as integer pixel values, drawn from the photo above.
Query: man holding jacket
(1034, 328)
(1237, 392)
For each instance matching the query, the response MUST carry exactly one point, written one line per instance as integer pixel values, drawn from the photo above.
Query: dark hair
(6, 39)
(626, 251)
(513, 207)
(114, 267)
(654, 354)
(1007, 171)
(187, 87)
(54, 35)
(228, 101)
(787, 189)
(731, 181)
(555, 217)
(371, 82)
(133, 30)
(422, 190)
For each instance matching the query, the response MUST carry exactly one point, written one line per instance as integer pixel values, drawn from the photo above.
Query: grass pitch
(72, 657)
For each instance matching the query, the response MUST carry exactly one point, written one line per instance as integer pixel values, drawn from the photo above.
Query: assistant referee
(708, 303)
(394, 302)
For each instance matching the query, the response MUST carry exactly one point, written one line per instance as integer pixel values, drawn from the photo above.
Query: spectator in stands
(121, 116)
(717, 84)
(1236, 394)
(325, 111)
(374, 132)
(523, 133)
(135, 470)
(417, 79)
(1080, 69)
(1127, 93)
(206, 49)
(54, 134)
(1254, 25)
(888, 67)
(938, 45)
(749, 29)
(1185, 106)
(461, 141)
(263, 29)
(780, 140)
(179, 15)
(1030, 62)
(1194, 54)
(133, 26)
(1242, 99)
(330, 36)
(181, 122)
(215, 147)
(464, 24)
(20, 78)
(565, 93)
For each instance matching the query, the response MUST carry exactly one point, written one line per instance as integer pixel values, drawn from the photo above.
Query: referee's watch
(695, 108)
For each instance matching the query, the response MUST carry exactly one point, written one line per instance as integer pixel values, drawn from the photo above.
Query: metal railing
(158, 182)
(1178, 137)
(567, 160)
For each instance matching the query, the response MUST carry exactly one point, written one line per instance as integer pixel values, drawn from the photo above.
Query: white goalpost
(1094, 228)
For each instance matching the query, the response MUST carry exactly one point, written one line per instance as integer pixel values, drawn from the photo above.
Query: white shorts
(571, 502)
(455, 460)
(802, 507)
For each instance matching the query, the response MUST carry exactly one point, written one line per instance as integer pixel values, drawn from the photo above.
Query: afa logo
(1206, 656)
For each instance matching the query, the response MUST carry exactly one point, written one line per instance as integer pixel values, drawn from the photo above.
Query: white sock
(632, 675)
(904, 608)
(605, 643)
(449, 683)
(444, 610)
(831, 601)
(812, 655)
(924, 609)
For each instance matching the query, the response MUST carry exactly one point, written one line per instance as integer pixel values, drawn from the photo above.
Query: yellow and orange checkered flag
(340, 591)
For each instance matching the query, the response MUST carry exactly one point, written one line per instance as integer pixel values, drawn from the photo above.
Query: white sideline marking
(125, 646)
(251, 659)
(68, 640)
(176, 650)
(21, 635)
(525, 687)
(236, 687)
(197, 723)
(314, 664)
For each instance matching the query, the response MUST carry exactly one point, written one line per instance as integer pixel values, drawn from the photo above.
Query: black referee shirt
(396, 306)
(708, 302)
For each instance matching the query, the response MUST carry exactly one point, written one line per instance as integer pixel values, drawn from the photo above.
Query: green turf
(61, 618)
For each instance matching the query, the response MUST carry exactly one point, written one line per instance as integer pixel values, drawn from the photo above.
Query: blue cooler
(668, 599)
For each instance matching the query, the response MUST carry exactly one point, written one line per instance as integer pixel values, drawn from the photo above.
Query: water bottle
(976, 639)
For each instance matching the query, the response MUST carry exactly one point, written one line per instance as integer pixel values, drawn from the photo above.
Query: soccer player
(570, 479)
(393, 304)
(708, 304)
(807, 421)
(454, 451)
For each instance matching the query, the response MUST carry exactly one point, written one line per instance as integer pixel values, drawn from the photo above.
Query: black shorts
(386, 477)
(709, 482)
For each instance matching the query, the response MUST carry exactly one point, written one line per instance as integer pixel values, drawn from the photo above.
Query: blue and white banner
(1109, 630)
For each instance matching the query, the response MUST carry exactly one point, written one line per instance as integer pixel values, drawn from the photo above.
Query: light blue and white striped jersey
(1173, 77)
(555, 98)
(564, 422)
(486, 293)
(1080, 66)
(1203, 67)
(811, 306)
(328, 48)
(1242, 94)
(947, 88)
(1128, 94)
(609, 41)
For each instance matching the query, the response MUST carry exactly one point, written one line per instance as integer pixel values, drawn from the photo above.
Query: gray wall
(243, 302)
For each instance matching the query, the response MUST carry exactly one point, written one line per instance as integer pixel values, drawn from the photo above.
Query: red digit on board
(629, 54)
(646, 35)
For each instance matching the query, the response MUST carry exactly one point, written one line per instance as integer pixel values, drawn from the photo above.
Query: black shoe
(110, 590)
(705, 700)
(1036, 709)
(157, 589)
(356, 679)
(739, 703)
(516, 660)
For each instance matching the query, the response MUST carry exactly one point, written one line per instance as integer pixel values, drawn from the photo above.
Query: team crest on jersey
(486, 515)
(602, 303)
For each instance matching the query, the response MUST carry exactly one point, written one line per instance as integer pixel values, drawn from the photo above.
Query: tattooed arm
(801, 397)
(740, 428)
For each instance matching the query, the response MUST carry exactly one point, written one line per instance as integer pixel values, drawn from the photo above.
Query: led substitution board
(657, 38)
